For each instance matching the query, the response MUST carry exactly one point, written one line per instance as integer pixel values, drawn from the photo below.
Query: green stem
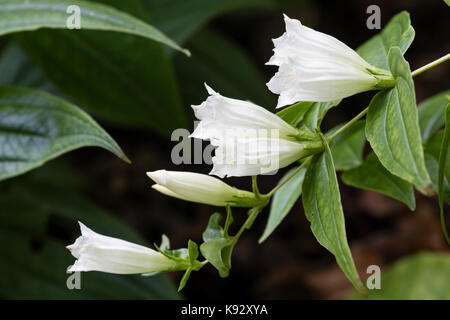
(300, 167)
(255, 187)
(247, 224)
(430, 65)
(229, 220)
(442, 218)
(348, 124)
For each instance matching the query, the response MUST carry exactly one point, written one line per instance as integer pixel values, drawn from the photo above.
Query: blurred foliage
(423, 276)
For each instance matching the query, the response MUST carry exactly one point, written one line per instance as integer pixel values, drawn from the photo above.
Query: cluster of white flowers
(249, 139)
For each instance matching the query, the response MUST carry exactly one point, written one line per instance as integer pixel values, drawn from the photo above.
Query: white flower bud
(95, 252)
(199, 188)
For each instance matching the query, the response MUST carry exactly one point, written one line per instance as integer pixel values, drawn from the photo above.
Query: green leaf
(422, 276)
(294, 114)
(347, 148)
(35, 14)
(397, 33)
(392, 126)
(323, 208)
(193, 252)
(371, 175)
(444, 169)
(432, 113)
(36, 127)
(131, 82)
(432, 149)
(217, 247)
(315, 114)
(184, 279)
(224, 66)
(180, 19)
(283, 201)
(35, 258)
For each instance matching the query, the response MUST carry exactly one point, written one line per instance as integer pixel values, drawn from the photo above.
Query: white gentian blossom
(96, 252)
(314, 66)
(249, 139)
(199, 188)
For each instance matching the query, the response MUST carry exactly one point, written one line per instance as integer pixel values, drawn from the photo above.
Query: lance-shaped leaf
(323, 208)
(371, 175)
(432, 113)
(36, 127)
(283, 201)
(17, 16)
(397, 33)
(392, 127)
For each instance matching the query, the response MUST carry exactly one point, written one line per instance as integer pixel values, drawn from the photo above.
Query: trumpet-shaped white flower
(199, 188)
(95, 252)
(314, 66)
(249, 139)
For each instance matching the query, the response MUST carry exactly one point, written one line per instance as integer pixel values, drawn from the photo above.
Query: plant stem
(348, 124)
(304, 164)
(255, 187)
(430, 65)
(247, 223)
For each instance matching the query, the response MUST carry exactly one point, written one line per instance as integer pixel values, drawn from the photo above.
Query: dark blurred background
(229, 53)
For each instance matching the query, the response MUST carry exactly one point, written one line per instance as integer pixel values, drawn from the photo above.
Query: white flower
(249, 139)
(197, 187)
(95, 252)
(314, 66)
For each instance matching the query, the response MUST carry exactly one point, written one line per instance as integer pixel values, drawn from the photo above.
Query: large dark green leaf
(397, 33)
(392, 126)
(432, 113)
(423, 276)
(283, 200)
(36, 127)
(182, 18)
(323, 208)
(131, 82)
(371, 175)
(223, 66)
(34, 255)
(17, 15)
(347, 148)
